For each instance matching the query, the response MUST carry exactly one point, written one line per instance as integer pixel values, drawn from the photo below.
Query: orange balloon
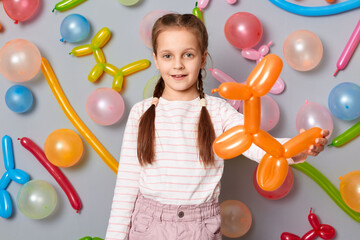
(301, 142)
(236, 218)
(268, 143)
(264, 75)
(252, 112)
(271, 172)
(234, 91)
(63, 147)
(232, 143)
(349, 190)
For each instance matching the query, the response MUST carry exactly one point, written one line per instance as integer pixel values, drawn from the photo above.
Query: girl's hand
(313, 150)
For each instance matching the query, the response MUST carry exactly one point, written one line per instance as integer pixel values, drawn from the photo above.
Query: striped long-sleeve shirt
(177, 176)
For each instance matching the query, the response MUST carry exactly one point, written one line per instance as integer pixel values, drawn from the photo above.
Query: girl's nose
(178, 64)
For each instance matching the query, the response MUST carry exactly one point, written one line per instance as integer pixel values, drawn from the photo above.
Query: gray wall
(92, 178)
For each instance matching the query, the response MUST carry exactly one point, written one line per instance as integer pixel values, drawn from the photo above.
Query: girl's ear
(203, 60)
(155, 60)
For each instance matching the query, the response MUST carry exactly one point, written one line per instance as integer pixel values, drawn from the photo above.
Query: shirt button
(181, 214)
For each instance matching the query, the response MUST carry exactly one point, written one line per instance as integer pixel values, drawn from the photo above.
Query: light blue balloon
(5, 204)
(74, 28)
(344, 101)
(19, 98)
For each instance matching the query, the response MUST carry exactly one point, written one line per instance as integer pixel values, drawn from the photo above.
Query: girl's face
(179, 61)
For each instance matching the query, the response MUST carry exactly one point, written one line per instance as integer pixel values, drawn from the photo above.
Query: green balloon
(327, 186)
(150, 86)
(346, 136)
(128, 2)
(37, 199)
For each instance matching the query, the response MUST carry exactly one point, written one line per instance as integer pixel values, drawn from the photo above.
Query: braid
(206, 132)
(145, 140)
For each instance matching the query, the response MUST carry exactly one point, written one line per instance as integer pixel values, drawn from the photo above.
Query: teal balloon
(344, 101)
(37, 199)
(19, 99)
(74, 28)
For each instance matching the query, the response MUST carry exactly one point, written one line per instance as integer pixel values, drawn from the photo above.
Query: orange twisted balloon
(273, 167)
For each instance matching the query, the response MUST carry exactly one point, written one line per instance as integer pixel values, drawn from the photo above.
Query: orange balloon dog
(273, 167)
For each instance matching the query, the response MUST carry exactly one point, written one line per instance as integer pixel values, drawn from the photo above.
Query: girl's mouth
(178, 76)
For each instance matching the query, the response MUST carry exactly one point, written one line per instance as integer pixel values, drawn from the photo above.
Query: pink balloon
(20, 60)
(20, 10)
(105, 106)
(270, 113)
(279, 193)
(312, 114)
(243, 30)
(147, 23)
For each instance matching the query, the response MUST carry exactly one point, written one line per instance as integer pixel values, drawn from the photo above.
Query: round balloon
(128, 2)
(37, 199)
(18, 98)
(74, 28)
(105, 106)
(20, 10)
(270, 113)
(344, 101)
(236, 218)
(20, 60)
(312, 114)
(150, 87)
(279, 193)
(243, 30)
(349, 190)
(63, 147)
(303, 50)
(147, 23)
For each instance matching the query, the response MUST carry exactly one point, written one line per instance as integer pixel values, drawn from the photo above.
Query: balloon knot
(16, 22)
(19, 139)
(70, 53)
(340, 178)
(53, 10)
(214, 90)
(62, 40)
(310, 210)
(210, 69)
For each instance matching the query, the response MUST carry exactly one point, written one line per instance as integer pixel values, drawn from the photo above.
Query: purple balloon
(312, 114)
(270, 113)
(105, 106)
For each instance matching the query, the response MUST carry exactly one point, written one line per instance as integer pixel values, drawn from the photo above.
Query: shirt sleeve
(127, 182)
(231, 118)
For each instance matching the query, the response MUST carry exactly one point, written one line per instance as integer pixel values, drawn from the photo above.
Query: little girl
(168, 182)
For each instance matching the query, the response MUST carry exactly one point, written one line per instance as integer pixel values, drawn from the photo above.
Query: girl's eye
(166, 56)
(189, 55)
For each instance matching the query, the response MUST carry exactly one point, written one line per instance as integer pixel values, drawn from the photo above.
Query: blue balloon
(344, 101)
(5, 204)
(74, 28)
(19, 98)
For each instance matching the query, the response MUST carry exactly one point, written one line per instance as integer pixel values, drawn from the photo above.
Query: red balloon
(289, 236)
(326, 232)
(310, 235)
(20, 10)
(314, 221)
(54, 171)
(243, 30)
(279, 193)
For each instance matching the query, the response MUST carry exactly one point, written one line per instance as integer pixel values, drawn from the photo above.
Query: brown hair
(206, 133)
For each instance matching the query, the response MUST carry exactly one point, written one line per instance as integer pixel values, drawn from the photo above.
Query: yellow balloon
(349, 190)
(63, 147)
(74, 118)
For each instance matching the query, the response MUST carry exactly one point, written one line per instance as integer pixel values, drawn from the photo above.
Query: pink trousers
(152, 220)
